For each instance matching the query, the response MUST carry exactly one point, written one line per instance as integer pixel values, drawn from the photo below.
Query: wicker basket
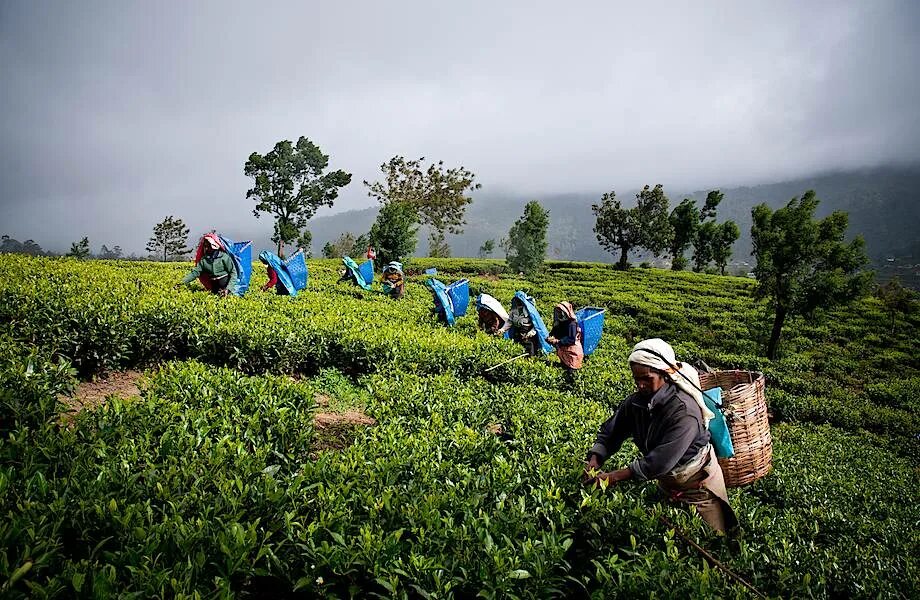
(745, 408)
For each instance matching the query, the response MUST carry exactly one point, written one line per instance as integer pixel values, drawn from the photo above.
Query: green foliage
(79, 249)
(721, 245)
(897, 300)
(438, 246)
(170, 237)
(803, 264)
(487, 248)
(525, 246)
(644, 226)
(684, 221)
(10, 246)
(393, 234)
(110, 254)
(291, 184)
(216, 483)
(305, 242)
(347, 245)
(437, 195)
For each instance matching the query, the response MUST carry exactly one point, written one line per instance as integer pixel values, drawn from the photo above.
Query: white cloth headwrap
(677, 371)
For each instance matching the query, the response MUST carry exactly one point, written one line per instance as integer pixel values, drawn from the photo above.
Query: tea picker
(287, 277)
(221, 265)
(668, 420)
(361, 276)
(493, 318)
(394, 284)
(527, 327)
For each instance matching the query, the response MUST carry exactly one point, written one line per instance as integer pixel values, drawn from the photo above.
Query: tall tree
(703, 244)
(438, 195)
(79, 249)
(487, 248)
(291, 184)
(803, 264)
(615, 227)
(652, 219)
(684, 220)
(525, 246)
(170, 238)
(646, 225)
(393, 234)
(726, 234)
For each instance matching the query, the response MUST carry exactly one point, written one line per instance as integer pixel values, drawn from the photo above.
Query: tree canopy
(169, 239)
(393, 234)
(802, 264)
(437, 195)
(80, 249)
(646, 225)
(525, 246)
(291, 184)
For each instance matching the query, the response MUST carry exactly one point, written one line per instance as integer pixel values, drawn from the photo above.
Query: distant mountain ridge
(883, 205)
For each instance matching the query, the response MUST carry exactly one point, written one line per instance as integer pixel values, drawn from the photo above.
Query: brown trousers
(705, 490)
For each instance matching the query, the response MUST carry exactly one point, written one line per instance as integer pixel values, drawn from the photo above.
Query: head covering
(492, 304)
(658, 354)
(212, 240)
(567, 309)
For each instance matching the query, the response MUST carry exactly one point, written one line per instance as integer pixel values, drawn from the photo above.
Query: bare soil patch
(90, 394)
(337, 431)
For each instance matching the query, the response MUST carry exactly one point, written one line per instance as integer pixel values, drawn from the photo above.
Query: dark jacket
(566, 332)
(668, 430)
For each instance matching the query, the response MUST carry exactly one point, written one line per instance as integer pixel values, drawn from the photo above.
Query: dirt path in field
(90, 394)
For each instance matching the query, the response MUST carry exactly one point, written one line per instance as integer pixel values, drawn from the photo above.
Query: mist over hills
(883, 205)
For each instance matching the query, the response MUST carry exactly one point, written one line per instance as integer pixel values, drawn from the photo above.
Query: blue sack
(718, 427)
(297, 268)
(442, 302)
(459, 293)
(284, 279)
(241, 253)
(591, 321)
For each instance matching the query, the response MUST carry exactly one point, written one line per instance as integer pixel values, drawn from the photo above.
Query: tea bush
(211, 484)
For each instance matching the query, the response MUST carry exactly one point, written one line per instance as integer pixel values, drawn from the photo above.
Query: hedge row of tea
(211, 484)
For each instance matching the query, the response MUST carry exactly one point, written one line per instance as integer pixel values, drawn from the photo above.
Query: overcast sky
(116, 114)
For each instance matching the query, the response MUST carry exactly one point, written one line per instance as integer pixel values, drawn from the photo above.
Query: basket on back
(745, 407)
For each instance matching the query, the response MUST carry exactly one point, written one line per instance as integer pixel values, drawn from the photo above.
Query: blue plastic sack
(272, 260)
(459, 293)
(297, 268)
(442, 302)
(718, 427)
(241, 253)
(367, 271)
(591, 321)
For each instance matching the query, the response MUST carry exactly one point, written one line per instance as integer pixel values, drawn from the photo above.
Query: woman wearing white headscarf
(669, 422)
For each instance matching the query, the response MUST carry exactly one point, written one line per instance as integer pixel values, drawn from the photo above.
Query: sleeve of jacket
(611, 435)
(193, 274)
(663, 457)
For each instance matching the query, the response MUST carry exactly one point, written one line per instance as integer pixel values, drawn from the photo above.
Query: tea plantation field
(218, 482)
